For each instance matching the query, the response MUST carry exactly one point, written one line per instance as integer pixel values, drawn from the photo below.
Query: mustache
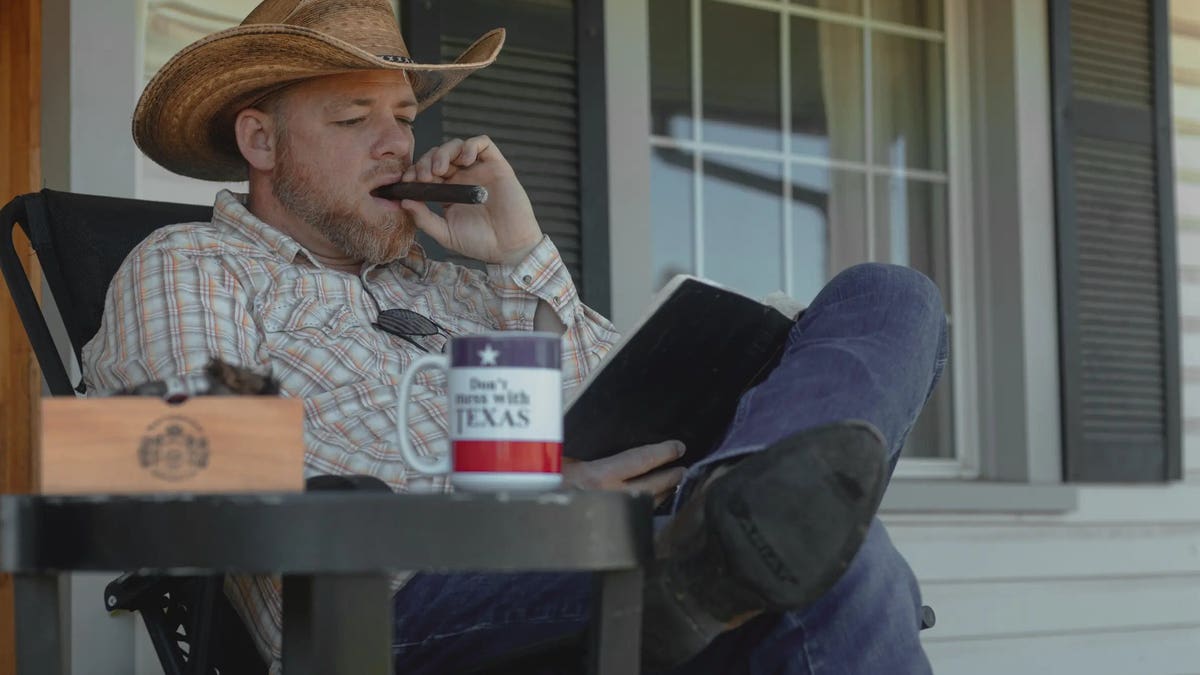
(385, 168)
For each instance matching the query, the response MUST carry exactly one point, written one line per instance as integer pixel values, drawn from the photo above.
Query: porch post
(20, 171)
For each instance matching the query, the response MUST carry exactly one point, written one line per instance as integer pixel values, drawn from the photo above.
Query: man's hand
(631, 470)
(502, 230)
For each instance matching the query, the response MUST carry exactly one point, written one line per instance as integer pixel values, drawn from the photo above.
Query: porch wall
(1113, 587)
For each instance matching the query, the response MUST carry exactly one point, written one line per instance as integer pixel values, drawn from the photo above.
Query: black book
(678, 375)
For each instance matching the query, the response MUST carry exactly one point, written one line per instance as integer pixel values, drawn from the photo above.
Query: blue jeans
(871, 346)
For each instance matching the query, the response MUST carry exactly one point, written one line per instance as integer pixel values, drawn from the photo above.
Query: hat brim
(184, 118)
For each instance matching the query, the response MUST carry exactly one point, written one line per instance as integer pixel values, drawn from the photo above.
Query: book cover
(678, 374)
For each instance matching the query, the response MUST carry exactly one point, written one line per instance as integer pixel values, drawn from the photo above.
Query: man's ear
(255, 132)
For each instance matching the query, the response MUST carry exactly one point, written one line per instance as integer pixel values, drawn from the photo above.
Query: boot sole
(789, 520)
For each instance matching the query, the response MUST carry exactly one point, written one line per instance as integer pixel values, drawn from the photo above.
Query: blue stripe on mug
(507, 349)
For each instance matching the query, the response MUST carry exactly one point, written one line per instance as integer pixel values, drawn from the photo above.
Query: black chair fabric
(81, 241)
(91, 236)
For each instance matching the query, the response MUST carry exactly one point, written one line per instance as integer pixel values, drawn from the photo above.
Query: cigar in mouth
(443, 193)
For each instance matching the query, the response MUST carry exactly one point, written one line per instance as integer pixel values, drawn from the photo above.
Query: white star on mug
(487, 356)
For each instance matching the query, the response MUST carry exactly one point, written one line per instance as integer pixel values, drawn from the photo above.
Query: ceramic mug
(505, 411)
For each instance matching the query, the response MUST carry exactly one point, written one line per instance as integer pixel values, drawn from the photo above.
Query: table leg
(39, 627)
(616, 632)
(337, 625)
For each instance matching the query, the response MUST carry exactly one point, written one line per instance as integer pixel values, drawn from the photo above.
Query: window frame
(1004, 280)
(963, 409)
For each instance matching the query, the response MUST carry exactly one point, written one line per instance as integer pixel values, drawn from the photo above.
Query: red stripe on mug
(508, 456)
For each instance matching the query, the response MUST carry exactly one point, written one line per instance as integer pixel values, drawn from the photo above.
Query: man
(313, 101)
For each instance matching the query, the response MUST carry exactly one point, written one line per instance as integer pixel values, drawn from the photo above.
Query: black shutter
(1118, 294)
(542, 102)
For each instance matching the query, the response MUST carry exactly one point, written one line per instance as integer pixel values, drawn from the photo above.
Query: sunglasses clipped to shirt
(407, 325)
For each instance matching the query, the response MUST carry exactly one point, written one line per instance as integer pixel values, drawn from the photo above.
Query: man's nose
(395, 140)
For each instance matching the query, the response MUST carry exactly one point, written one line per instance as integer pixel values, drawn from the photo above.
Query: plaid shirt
(242, 291)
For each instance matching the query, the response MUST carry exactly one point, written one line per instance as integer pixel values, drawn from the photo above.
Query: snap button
(528, 278)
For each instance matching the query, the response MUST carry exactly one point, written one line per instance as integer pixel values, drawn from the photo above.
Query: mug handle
(425, 465)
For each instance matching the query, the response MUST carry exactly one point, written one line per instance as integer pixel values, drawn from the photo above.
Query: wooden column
(20, 171)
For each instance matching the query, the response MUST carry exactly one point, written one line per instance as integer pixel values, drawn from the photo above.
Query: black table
(334, 551)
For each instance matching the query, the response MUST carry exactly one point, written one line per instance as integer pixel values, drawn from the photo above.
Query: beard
(374, 241)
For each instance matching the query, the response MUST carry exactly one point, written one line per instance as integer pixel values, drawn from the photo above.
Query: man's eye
(404, 121)
(350, 122)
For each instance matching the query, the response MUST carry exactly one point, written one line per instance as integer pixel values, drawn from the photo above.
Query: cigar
(442, 193)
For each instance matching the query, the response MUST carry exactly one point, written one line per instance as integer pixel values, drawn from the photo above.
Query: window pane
(844, 6)
(921, 13)
(933, 434)
(909, 102)
(827, 89)
(740, 73)
(743, 224)
(911, 226)
(828, 217)
(670, 68)
(671, 213)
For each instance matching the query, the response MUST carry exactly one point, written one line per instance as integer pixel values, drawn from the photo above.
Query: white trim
(961, 230)
(844, 19)
(698, 139)
(1039, 265)
(934, 467)
(869, 127)
(785, 126)
(627, 77)
(807, 160)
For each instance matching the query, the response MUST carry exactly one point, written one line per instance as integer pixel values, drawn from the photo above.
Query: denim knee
(894, 282)
(900, 301)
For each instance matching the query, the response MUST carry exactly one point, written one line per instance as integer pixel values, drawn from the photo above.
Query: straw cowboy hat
(184, 119)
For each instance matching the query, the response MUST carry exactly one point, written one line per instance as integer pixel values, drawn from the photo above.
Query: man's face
(340, 137)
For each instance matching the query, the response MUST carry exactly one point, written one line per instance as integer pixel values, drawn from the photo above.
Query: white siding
(1113, 587)
(1185, 61)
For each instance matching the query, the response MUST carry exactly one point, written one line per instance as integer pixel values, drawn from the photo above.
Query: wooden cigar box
(134, 444)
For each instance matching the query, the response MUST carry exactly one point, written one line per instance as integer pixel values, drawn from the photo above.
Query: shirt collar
(230, 209)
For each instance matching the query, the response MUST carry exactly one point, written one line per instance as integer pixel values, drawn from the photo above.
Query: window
(791, 139)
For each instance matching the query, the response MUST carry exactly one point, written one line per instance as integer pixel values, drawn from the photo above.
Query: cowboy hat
(184, 119)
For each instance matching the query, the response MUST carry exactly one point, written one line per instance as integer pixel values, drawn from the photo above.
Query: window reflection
(909, 101)
(911, 226)
(743, 223)
(671, 69)
(827, 89)
(672, 213)
(918, 13)
(828, 225)
(740, 76)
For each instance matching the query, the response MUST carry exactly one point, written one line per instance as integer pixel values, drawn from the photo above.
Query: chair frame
(28, 211)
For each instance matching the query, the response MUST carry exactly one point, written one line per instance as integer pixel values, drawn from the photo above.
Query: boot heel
(790, 519)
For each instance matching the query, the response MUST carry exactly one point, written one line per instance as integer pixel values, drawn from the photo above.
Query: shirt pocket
(317, 346)
(306, 333)
(308, 316)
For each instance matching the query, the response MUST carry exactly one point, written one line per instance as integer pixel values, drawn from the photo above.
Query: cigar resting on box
(444, 193)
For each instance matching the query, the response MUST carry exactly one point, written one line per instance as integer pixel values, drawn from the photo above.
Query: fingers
(441, 162)
(427, 221)
(641, 460)
(661, 483)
